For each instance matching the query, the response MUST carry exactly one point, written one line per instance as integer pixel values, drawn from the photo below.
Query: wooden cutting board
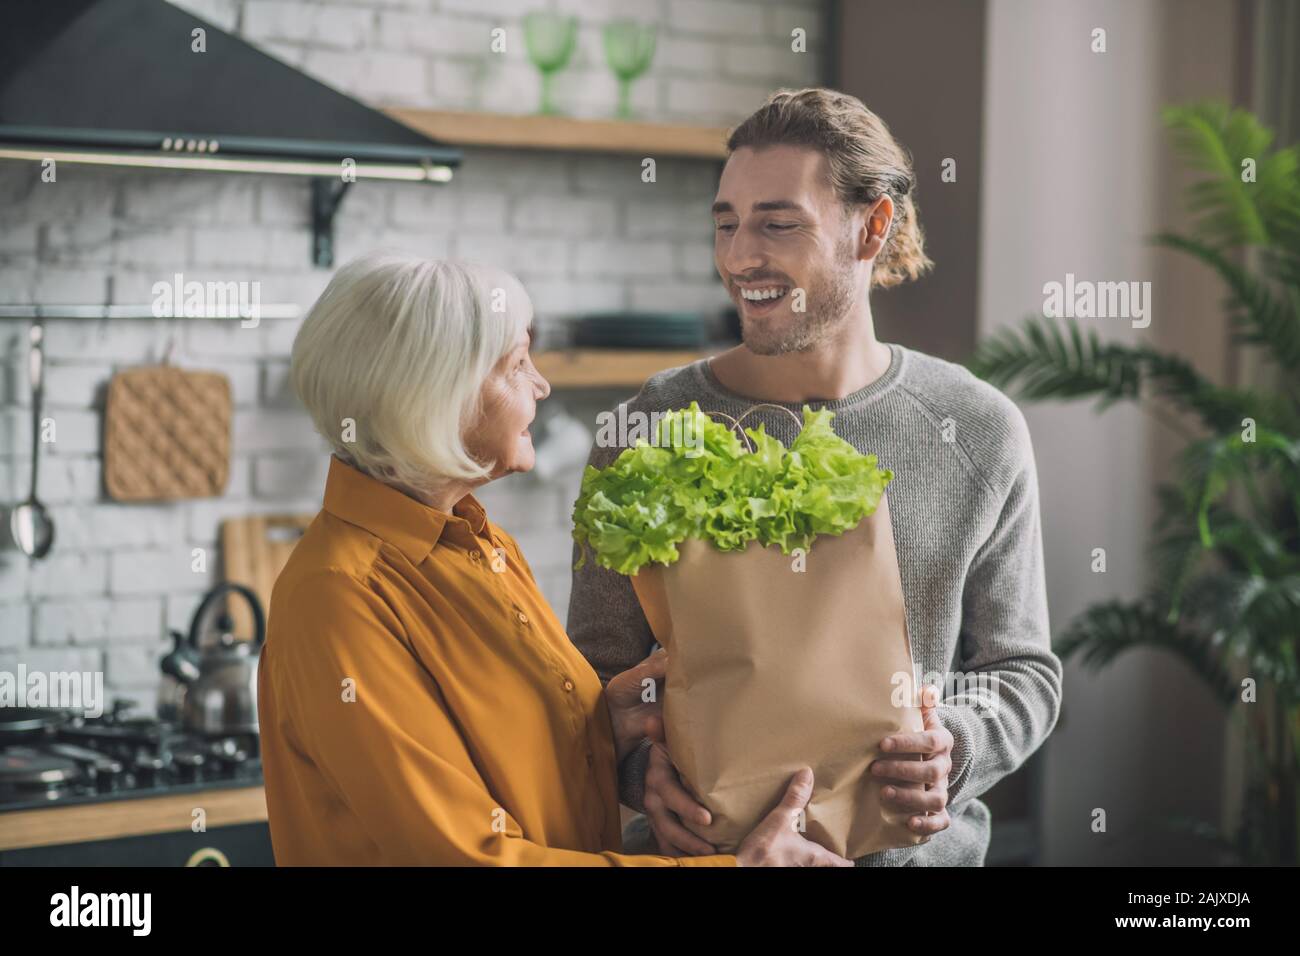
(253, 552)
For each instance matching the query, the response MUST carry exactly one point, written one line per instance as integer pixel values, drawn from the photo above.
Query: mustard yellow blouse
(420, 703)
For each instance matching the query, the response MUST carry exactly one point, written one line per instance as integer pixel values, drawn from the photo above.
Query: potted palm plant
(1226, 547)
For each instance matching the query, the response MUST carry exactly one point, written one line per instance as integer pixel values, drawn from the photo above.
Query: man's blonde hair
(401, 347)
(865, 162)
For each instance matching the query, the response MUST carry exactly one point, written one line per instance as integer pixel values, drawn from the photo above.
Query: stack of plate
(640, 330)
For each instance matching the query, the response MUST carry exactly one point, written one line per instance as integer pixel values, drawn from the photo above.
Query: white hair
(401, 346)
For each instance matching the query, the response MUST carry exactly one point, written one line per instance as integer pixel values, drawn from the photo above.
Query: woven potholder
(166, 434)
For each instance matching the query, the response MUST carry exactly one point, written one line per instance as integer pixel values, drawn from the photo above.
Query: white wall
(715, 60)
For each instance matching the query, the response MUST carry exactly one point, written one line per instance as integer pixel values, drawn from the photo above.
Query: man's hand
(632, 717)
(669, 808)
(919, 786)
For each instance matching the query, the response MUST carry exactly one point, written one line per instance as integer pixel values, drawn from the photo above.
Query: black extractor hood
(144, 83)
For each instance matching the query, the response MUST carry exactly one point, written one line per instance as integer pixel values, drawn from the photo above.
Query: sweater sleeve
(607, 625)
(1006, 696)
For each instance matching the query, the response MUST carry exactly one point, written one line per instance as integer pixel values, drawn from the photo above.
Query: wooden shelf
(608, 368)
(506, 130)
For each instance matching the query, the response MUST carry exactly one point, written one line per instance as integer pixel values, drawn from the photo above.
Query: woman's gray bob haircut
(391, 360)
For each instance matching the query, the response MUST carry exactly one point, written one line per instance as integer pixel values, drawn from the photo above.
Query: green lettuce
(699, 480)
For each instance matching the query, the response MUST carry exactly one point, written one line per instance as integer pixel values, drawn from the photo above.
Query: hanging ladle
(29, 523)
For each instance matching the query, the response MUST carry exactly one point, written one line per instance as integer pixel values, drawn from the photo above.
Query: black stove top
(114, 757)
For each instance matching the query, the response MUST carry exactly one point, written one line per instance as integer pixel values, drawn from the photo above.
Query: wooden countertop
(111, 819)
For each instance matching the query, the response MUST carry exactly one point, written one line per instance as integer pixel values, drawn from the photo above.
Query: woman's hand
(632, 716)
(777, 842)
(667, 804)
(670, 808)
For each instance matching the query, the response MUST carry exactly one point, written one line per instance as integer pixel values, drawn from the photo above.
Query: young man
(813, 210)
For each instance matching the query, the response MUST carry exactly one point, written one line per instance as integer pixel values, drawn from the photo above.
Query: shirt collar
(409, 525)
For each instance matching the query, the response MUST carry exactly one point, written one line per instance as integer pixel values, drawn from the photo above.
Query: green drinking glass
(629, 48)
(550, 38)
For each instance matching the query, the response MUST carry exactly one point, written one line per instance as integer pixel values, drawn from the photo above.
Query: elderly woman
(419, 701)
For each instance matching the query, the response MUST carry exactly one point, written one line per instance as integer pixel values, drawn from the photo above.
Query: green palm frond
(1253, 617)
(1283, 271)
(1047, 359)
(1216, 140)
(1259, 316)
(1104, 631)
(1245, 545)
(1177, 551)
(1053, 358)
(1219, 408)
(1211, 465)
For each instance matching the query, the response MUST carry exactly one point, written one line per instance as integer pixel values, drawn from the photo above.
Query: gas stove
(117, 756)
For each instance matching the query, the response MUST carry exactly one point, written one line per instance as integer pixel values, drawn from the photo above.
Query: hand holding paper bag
(902, 774)
(770, 669)
(770, 576)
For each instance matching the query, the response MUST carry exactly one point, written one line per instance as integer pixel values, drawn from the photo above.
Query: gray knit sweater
(964, 507)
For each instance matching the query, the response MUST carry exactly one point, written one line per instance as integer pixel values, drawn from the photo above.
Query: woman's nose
(543, 387)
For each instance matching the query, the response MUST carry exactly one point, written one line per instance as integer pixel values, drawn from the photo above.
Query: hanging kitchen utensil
(30, 524)
(166, 434)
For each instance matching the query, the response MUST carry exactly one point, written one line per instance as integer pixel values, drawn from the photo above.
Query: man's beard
(827, 301)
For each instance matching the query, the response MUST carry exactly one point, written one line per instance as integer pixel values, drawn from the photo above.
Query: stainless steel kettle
(219, 680)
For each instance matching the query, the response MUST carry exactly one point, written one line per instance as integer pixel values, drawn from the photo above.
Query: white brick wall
(171, 567)
(437, 53)
(333, 27)
(98, 620)
(15, 626)
(583, 232)
(595, 257)
(74, 386)
(68, 573)
(54, 659)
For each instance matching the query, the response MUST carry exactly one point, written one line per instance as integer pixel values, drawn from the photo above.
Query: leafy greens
(699, 480)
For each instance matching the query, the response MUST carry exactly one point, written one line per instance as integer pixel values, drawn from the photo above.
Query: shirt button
(568, 685)
(475, 555)
(523, 618)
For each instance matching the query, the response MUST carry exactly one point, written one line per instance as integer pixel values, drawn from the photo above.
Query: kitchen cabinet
(146, 831)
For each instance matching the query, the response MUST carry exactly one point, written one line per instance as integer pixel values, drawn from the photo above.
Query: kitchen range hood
(129, 83)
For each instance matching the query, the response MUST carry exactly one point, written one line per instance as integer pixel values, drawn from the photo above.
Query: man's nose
(742, 253)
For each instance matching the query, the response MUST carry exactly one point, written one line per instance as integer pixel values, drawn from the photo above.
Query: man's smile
(761, 298)
(761, 294)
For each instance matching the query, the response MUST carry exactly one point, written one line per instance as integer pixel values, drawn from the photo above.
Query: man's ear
(875, 227)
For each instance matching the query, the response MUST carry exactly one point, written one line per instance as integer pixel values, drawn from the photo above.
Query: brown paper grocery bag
(771, 669)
